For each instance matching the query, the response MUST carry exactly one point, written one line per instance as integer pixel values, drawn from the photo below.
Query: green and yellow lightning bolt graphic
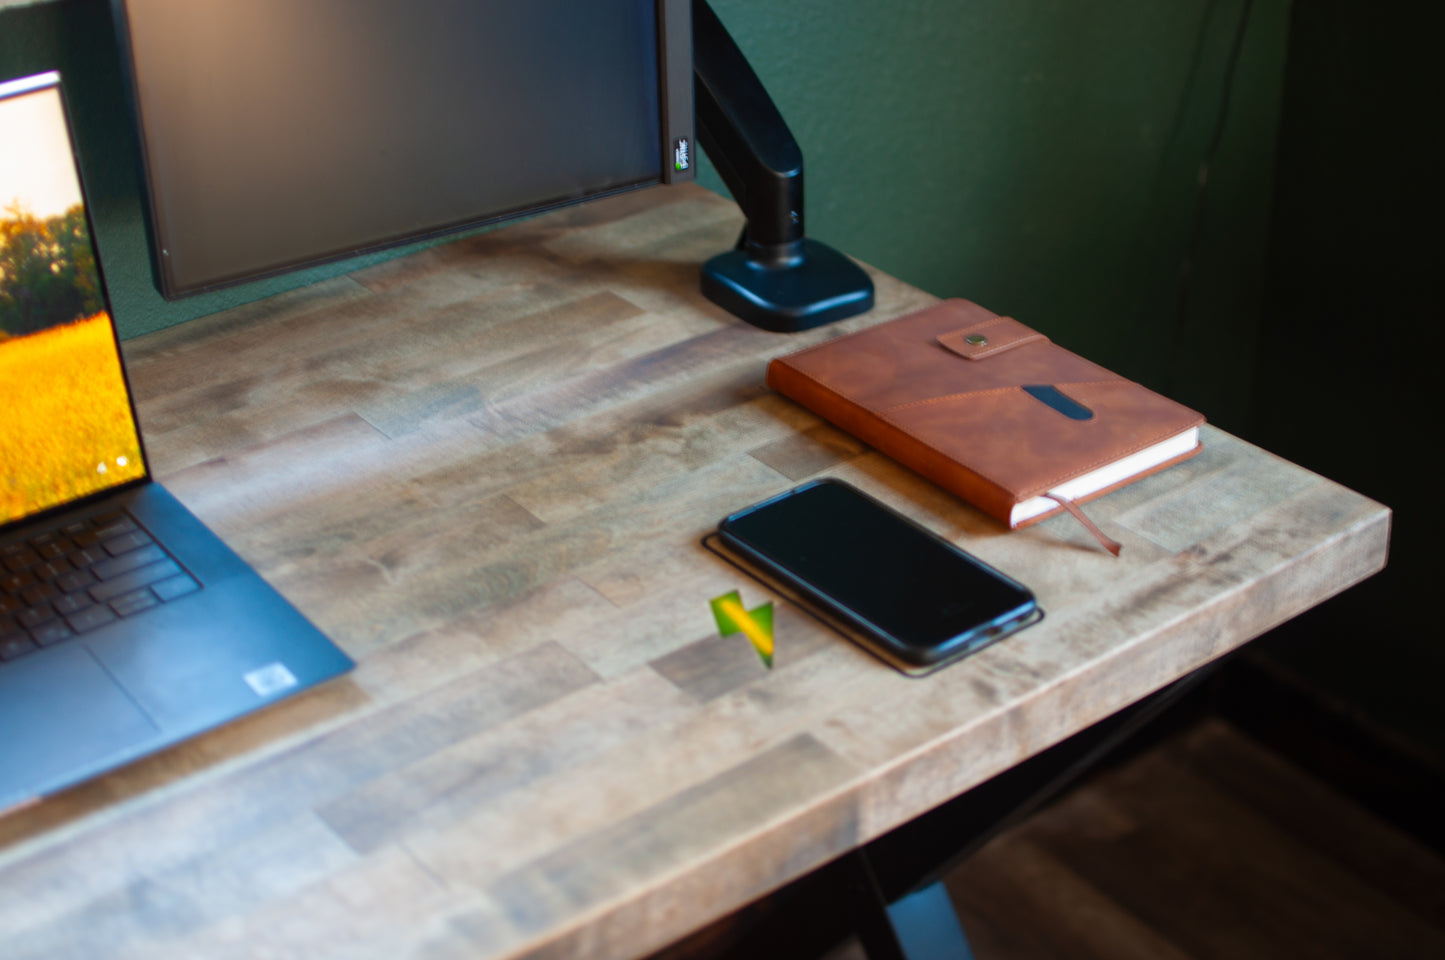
(755, 624)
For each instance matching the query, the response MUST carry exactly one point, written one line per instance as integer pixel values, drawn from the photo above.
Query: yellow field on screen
(65, 423)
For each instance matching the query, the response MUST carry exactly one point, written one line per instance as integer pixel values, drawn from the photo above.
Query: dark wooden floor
(1206, 846)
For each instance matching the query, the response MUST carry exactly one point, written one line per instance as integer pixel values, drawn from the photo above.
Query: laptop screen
(67, 429)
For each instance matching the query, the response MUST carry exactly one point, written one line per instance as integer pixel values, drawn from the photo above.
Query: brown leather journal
(990, 409)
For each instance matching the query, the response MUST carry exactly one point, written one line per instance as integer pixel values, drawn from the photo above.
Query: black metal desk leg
(919, 926)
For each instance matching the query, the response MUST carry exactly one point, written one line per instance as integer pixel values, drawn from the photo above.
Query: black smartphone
(899, 590)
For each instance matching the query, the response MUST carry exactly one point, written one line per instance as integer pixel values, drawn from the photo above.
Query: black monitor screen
(277, 133)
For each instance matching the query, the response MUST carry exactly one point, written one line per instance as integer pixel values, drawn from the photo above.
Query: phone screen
(919, 594)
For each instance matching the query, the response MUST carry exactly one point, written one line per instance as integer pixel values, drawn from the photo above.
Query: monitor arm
(776, 278)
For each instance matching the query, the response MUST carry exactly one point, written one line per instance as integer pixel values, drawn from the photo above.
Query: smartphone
(899, 590)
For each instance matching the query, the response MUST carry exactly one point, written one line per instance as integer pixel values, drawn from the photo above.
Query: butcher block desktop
(484, 471)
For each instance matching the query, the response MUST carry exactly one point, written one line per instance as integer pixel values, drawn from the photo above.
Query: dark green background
(1043, 157)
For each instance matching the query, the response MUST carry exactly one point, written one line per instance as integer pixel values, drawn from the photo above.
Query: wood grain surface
(484, 471)
(1206, 847)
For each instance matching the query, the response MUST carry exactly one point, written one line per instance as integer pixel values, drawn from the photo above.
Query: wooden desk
(484, 471)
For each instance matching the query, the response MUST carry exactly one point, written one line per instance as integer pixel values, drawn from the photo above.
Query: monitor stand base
(817, 285)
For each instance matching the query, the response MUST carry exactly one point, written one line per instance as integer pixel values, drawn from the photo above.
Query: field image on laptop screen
(66, 426)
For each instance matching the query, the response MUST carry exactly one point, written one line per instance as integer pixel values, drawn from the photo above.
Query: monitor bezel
(676, 138)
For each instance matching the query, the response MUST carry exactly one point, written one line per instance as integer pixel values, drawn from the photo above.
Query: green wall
(1352, 351)
(1041, 157)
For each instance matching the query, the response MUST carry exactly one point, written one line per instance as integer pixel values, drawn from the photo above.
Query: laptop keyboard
(79, 577)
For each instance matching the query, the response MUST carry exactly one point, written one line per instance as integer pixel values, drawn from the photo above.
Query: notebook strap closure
(1105, 541)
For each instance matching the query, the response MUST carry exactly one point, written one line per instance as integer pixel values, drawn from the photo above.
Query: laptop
(125, 624)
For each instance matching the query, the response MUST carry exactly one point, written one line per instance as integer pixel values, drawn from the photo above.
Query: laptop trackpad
(62, 719)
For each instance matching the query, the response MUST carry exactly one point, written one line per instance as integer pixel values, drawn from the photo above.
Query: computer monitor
(277, 134)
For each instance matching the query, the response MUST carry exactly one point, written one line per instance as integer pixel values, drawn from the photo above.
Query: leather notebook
(990, 409)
